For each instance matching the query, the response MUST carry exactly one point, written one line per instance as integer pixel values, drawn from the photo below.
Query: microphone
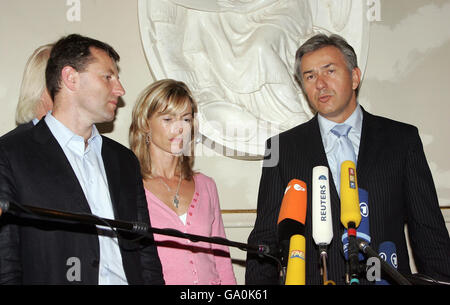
(350, 215)
(387, 252)
(4, 205)
(363, 231)
(33, 212)
(322, 223)
(291, 231)
(295, 274)
(386, 267)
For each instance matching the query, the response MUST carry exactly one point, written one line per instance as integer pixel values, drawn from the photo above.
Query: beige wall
(406, 79)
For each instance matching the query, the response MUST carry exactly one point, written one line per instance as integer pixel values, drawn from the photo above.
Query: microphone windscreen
(293, 205)
(387, 252)
(295, 274)
(349, 195)
(292, 216)
(363, 230)
(322, 224)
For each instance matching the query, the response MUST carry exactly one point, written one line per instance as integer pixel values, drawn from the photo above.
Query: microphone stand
(393, 273)
(323, 261)
(284, 254)
(134, 227)
(353, 254)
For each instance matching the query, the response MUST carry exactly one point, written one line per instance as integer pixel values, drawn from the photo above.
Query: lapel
(112, 170)
(369, 146)
(316, 152)
(56, 168)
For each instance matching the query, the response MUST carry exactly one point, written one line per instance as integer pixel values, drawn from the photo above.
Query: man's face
(99, 89)
(328, 84)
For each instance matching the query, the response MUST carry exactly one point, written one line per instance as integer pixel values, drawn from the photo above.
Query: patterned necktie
(343, 150)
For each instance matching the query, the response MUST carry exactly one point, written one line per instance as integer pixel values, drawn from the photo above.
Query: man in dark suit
(391, 166)
(63, 163)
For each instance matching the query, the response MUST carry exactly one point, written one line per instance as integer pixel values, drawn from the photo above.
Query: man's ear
(356, 78)
(69, 77)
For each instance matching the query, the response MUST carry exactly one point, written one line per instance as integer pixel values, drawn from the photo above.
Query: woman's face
(171, 132)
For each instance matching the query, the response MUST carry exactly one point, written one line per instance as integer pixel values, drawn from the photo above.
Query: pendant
(175, 201)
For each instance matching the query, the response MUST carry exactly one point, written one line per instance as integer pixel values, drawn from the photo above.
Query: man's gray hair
(320, 41)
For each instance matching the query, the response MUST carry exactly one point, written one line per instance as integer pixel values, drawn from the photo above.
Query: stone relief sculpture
(237, 56)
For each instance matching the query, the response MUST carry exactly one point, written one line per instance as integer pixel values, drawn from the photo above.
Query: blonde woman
(34, 99)
(161, 136)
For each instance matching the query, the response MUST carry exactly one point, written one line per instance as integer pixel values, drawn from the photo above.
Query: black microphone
(134, 227)
(4, 206)
(422, 279)
(388, 269)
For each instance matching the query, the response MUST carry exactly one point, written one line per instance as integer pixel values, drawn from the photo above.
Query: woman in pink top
(161, 135)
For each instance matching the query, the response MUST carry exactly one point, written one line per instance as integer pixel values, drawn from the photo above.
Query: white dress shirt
(329, 139)
(87, 163)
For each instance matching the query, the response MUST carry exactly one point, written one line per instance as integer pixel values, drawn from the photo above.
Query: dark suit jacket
(35, 171)
(393, 169)
(19, 129)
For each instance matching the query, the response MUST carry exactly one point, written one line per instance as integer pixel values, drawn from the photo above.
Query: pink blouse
(186, 262)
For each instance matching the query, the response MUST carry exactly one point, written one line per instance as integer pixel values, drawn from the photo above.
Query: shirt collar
(67, 138)
(354, 120)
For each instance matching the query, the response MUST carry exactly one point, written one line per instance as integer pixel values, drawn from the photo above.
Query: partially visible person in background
(161, 136)
(34, 99)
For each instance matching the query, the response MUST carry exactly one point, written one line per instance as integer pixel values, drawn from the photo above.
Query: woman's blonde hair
(163, 96)
(33, 84)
